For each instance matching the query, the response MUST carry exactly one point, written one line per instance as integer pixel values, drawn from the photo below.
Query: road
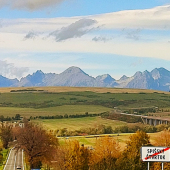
(15, 158)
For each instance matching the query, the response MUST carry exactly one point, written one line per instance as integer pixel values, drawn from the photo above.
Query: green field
(52, 101)
(121, 138)
(87, 122)
(43, 102)
(90, 141)
(39, 100)
(77, 123)
(57, 110)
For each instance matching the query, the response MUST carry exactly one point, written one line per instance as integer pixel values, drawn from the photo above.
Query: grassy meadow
(90, 141)
(121, 138)
(79, 89)
(77, 123)
(57, 110)
(88, 122)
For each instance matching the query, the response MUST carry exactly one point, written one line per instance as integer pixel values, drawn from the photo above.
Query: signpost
(155, 154)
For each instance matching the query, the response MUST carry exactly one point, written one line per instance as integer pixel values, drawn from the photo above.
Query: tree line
(16, 117)
(103, 129)
(65, 116)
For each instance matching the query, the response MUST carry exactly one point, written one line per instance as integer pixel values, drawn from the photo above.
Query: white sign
(155, 154)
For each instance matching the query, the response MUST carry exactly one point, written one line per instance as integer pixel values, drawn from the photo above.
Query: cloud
(75, 30)
(9, 70)
(30, 35)
(155, 18)
(149, 23)
(132, 34)
(30, 5)
(102, 38)
(139, 62)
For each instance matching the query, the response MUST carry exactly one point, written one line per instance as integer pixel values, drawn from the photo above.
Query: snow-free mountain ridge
(157, 79)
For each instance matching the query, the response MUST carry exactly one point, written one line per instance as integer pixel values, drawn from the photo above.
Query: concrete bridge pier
(155, 120)
(150, 121)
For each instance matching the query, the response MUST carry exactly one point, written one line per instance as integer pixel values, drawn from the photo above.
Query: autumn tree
(6, 134)
(105, 154)
(130, 157)
(162, 139)
(17, 117)
(72, 156)
(39, 146)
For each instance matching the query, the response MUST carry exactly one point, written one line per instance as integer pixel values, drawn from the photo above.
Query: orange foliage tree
(105, 154)
(6, 134)
(39, 146)
(130, 157)
(162, 139)
(72, 156)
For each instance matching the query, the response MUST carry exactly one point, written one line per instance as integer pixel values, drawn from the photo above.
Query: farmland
(57, 110)
(76, 89)
(47, 102)
(121, 139)
(69, 100)
(77, 123)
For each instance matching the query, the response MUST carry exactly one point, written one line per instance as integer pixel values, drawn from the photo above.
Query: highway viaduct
(151, 120)
(155, 120)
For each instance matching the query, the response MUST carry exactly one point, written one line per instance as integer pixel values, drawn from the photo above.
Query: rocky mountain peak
(155, 74)
(137, 74)
(38, 72)
(158, 79)
(105, 78)
(124, 77)
(73, 70)
(159, 73)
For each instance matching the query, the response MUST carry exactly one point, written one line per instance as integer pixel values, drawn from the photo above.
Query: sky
(99, 36)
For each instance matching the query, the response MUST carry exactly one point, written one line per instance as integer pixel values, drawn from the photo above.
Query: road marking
(15, 160)
(8, 157)
(22, 159)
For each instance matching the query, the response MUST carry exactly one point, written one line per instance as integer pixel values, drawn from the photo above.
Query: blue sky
(99, 36)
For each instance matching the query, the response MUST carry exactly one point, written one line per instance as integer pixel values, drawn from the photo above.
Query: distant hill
(157, 79)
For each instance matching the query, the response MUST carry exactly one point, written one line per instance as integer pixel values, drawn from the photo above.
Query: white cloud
(39, 25)
(155, 18)
(11, 71)
(29, 4)
(157, 49)
(13, 32)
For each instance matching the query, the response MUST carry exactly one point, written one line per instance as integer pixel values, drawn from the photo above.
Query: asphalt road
(15, 159)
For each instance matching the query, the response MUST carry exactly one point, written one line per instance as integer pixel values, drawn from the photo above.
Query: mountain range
(157, 79)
